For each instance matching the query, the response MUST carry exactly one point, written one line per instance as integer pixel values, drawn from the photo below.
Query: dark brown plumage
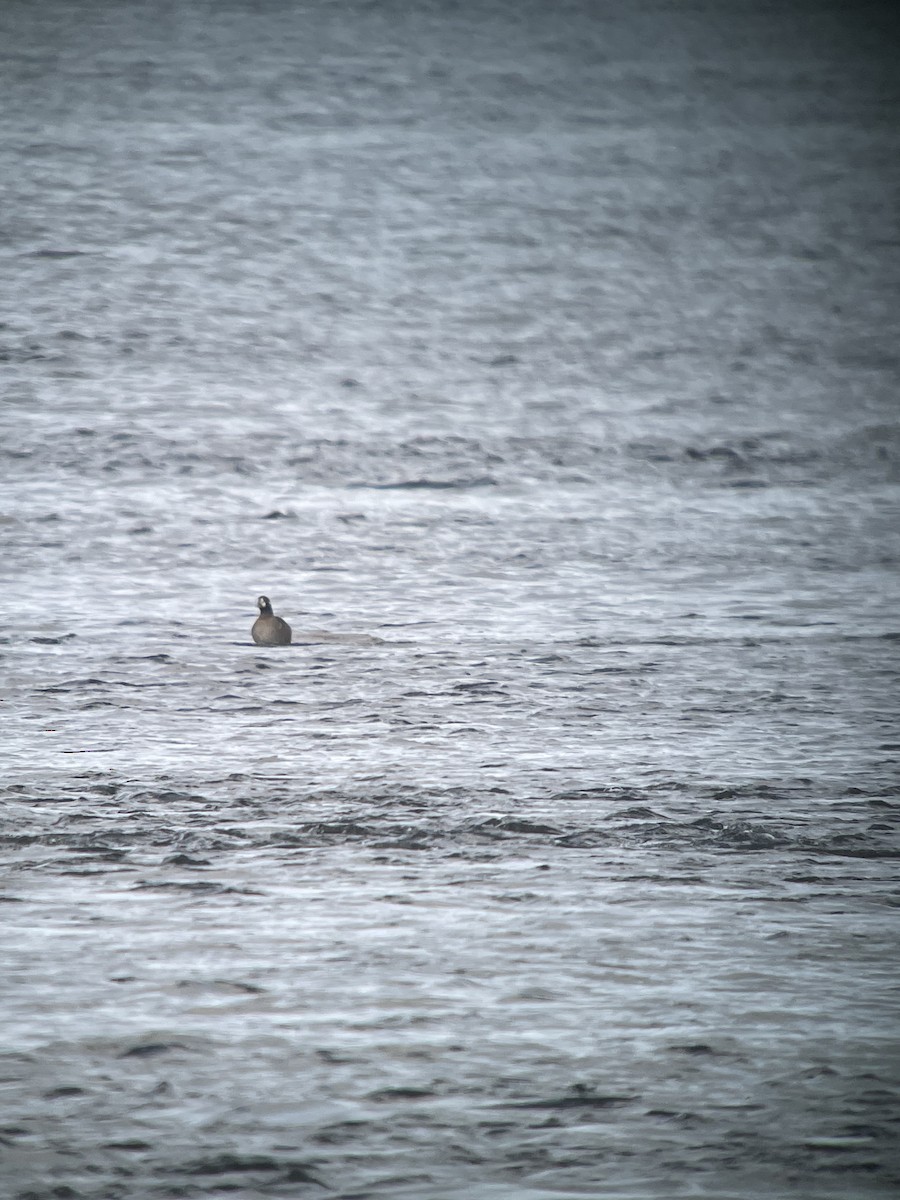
(269, 630)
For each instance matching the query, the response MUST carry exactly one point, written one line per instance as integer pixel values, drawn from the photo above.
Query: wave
(448, 463)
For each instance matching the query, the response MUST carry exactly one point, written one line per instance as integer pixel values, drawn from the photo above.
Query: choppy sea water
(539, 363)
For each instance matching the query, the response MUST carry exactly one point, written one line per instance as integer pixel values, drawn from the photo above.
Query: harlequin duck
(269, 630)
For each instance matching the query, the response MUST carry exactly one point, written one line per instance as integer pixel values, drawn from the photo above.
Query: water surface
(539, 363)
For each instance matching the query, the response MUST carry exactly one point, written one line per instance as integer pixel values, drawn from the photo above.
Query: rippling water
(538, 361)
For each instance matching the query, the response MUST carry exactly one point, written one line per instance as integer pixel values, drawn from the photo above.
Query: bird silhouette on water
(269, 630)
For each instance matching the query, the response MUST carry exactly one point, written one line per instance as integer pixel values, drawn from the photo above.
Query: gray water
(540, 362)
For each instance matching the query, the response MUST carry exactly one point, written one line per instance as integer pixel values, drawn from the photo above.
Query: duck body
(269, 630)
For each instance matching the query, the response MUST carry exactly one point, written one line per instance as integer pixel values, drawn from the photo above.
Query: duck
(269, 630)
